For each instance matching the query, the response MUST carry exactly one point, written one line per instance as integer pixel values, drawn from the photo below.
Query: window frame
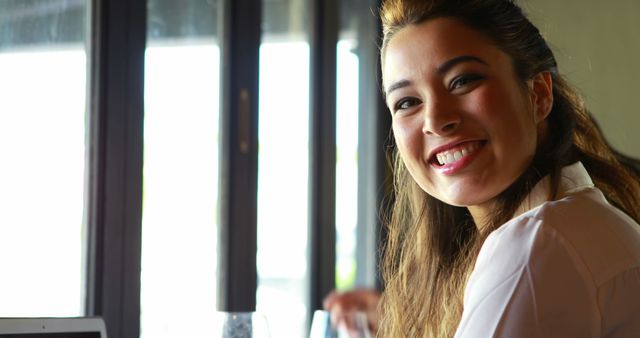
(114, 179)
(240, 43)
(114, 176)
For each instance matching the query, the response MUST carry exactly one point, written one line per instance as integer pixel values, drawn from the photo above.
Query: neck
(481, 214)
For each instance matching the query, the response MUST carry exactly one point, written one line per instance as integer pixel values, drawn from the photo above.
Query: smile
(456, 153)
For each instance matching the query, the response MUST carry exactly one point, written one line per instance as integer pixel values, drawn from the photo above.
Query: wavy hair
(432, 246)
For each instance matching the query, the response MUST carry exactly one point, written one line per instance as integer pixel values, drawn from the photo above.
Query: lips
(452, 153)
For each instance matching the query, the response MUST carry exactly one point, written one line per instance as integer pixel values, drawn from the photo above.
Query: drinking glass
(321, 326)
(240, 325)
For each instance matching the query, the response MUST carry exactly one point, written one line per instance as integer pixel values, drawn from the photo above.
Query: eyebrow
(443, 68)
(396, 85)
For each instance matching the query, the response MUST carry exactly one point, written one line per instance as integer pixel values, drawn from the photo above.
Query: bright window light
(42, 147)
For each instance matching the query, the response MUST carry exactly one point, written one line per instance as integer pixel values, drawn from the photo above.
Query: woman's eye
(406, 103)
(464, 80)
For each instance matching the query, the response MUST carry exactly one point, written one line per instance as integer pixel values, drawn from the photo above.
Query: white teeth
(451, 156)
(457, 155)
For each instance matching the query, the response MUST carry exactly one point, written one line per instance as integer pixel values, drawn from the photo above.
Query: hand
(343, 305)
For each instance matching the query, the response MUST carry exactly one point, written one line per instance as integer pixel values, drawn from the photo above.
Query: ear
(541, 91)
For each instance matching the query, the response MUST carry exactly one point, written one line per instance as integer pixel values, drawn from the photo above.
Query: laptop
(81, 327)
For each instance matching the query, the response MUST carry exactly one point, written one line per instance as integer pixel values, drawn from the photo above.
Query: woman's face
(465, 125)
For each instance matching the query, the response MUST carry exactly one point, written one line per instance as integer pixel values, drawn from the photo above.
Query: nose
(440, 119)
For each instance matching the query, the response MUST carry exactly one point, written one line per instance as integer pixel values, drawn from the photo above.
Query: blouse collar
(573, 178)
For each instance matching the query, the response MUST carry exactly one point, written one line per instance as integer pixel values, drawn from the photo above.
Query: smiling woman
(465, 98)
(512, 216)
(491, 188)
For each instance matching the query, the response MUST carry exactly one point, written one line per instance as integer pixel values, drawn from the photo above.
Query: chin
(460, 203)
(465, 201)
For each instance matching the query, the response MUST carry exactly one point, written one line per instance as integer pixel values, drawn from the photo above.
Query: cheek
(408, 137)
(510, 123)
(494, 102)
(503, 109)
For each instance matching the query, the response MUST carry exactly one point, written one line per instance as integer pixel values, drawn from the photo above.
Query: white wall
(597, 46)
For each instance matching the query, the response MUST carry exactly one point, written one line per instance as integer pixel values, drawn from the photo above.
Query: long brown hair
(432, 246)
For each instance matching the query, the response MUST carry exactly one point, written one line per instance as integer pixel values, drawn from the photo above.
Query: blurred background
(166, 159)
(598, 50)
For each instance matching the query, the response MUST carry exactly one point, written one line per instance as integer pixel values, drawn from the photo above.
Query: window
(181, 142)
(43, 82)
(143, 153)
(360, 130)
(283, 169)
(347, 114)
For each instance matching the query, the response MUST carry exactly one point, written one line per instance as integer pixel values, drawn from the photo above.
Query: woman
(512, 216)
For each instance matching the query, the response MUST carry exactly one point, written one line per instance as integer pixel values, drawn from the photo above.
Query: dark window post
(115, 170)
(240, 36)
(322, 141)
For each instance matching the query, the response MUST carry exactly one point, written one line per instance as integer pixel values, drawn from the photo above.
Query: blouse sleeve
(528, 282)
(619, 301)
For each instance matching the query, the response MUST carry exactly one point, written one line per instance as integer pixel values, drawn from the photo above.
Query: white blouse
(564, 268)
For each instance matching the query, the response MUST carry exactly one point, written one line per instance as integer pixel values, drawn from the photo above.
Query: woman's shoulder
(571, 263)
(597, 236)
